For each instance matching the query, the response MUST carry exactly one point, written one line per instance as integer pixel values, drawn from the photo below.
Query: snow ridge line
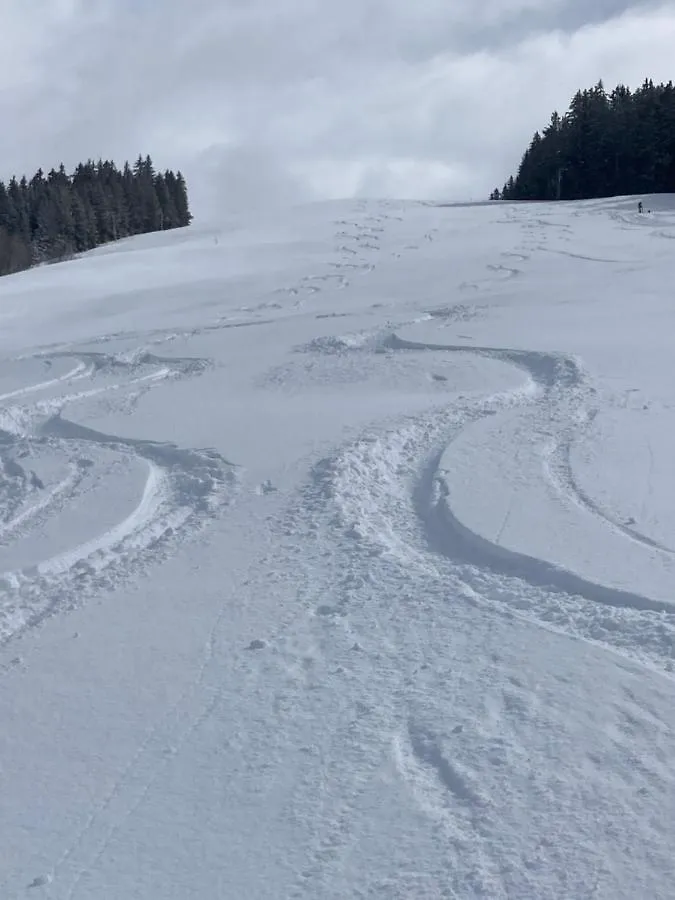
(132, 361)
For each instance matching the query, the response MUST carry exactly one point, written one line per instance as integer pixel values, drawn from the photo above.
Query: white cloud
(258, 100)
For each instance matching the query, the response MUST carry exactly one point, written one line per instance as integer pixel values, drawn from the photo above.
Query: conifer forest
(54, 216)
(607, 144)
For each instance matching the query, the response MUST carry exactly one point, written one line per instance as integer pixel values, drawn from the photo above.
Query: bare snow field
(337, 558)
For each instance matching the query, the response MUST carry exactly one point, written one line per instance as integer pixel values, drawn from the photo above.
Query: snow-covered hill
(337, 558)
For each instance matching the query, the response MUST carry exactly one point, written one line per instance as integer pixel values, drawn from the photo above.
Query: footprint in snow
(40, 881)
(326, 610)
(266, 487)
(257, 644)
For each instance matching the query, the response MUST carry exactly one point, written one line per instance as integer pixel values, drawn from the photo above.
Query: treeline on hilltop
(606, 144)
(53, 216)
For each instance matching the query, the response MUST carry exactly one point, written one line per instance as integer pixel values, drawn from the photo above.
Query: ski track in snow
(357, 688)
(183, 486)
(369, 473)
(383, 498)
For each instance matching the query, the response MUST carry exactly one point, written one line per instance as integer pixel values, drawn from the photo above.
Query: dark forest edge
(53, 217)
(605, 145)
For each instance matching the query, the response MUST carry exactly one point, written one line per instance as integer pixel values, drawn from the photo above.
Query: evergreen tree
(20, 224)
(180, 198)
(168, 212)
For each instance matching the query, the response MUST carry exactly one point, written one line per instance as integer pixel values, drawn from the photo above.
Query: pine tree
(180, 198)
(20, 210)
(167, 205)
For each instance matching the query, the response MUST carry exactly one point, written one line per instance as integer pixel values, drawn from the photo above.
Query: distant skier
(640, 206)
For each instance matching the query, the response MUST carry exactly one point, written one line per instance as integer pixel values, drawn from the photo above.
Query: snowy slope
(337, 553)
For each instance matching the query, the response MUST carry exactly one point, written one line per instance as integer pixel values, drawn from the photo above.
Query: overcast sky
(294, 99)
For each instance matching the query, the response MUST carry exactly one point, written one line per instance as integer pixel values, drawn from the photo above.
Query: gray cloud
(260, 101)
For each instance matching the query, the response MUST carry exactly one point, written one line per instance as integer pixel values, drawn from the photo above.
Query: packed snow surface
(337, 558)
